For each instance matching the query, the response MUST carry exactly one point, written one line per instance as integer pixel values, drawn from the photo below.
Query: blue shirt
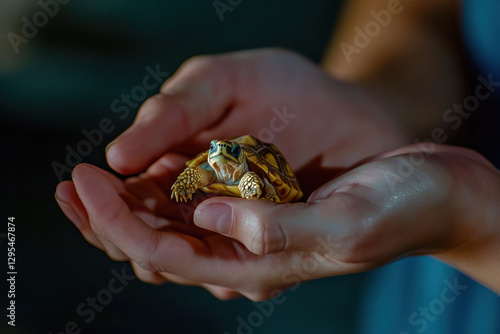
(424, 295)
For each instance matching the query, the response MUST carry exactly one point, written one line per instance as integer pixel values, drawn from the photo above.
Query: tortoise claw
(182, 190)
(181, 195)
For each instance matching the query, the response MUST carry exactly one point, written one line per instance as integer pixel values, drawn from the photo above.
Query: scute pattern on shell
(270, 160)
(264, 159)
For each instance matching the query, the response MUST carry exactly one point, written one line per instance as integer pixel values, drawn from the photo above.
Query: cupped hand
(275, 95)
(400, 203)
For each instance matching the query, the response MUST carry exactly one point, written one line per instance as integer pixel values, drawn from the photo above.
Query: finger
(70, 203)
(157, 181)
(112, 219)
(152, 188)
(146, 199)
(81, 180)
(146, 275)
(111, 250)
(74, 209)
(264, 227)
(221, 293)
(66, 198)
(159, 278)
(199, 260)
(192, 100)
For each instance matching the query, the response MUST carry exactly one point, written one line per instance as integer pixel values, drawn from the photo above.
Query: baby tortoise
(242, 167)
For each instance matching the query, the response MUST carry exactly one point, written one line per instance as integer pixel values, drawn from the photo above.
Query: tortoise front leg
(250, 185)
(191, 178)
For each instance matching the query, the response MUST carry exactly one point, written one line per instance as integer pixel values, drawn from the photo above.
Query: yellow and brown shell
(267, 161)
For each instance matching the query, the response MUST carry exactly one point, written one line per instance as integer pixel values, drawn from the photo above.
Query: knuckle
(145, 263)
(159, 105)
(267, 238)
(266, 289)
(260, 294)
(154, 102)
(112, 217)
(356, 242)
(145, 275)
(148, 258)
(198, 71)
(116, 255)
(257, 241)
(199, 63)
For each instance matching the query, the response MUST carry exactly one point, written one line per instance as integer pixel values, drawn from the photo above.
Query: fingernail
(109, 145)
(215, 217)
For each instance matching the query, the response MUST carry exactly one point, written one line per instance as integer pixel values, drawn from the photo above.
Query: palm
(355, 222)
(96, 194)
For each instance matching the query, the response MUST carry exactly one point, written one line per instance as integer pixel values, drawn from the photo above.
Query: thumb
(185, 106)
(264, 227)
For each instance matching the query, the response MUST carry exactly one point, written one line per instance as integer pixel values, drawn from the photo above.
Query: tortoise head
(228, 160)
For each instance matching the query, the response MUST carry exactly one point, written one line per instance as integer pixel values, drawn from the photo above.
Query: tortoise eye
(212, 147)
(236, 150)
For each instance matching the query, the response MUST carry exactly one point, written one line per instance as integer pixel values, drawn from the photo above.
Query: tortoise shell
(265, 160)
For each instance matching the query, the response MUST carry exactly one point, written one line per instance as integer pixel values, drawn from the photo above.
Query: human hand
(274, 95)
(213, 97)
(370, 215)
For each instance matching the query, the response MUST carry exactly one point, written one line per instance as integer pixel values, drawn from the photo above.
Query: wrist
(474, 246)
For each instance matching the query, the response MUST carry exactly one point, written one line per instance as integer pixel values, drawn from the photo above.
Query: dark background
(63, 81)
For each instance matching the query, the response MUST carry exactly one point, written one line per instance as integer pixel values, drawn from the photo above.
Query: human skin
(370, 214)
(213, 97)
(366, 217)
